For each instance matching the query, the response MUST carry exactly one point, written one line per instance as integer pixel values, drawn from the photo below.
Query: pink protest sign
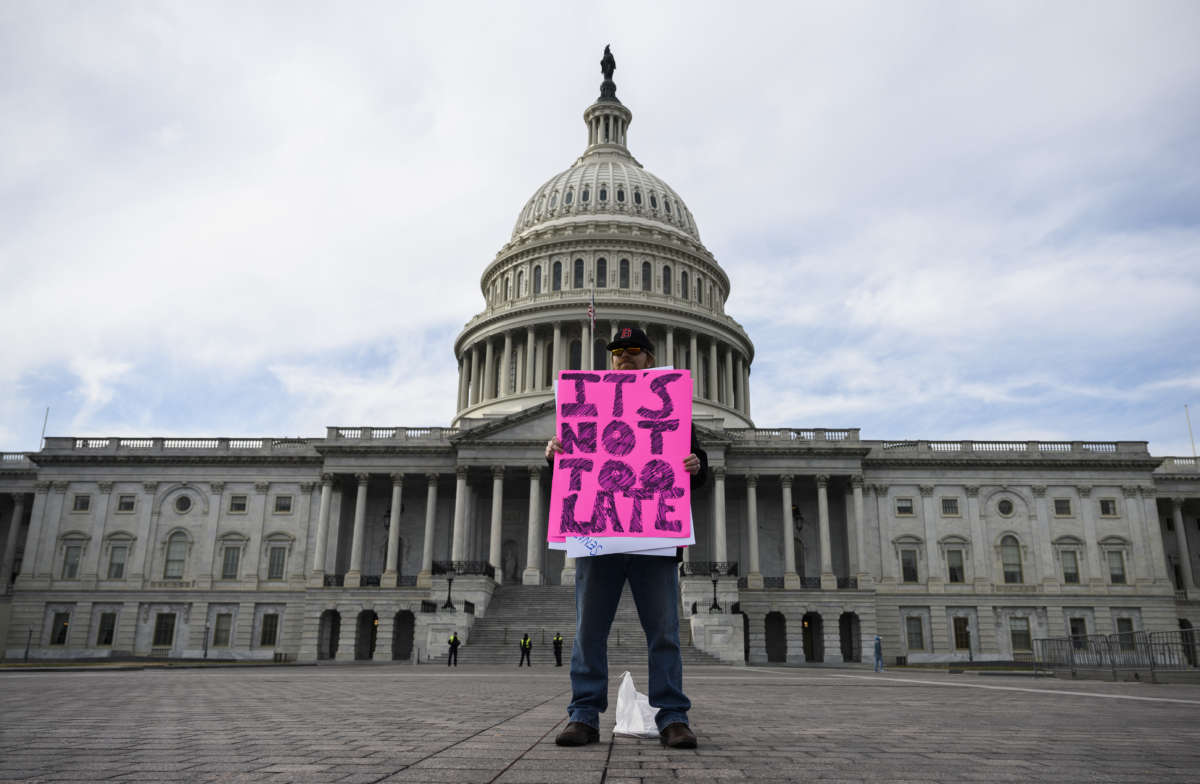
(625, 434)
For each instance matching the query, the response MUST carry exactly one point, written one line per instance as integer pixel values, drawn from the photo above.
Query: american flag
(592, 311)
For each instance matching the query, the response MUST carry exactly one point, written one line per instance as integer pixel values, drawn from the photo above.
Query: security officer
(526, 647)
(454, 643)
(558, 643)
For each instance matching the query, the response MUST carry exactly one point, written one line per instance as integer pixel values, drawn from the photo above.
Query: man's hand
(691, 464)
(554, 445)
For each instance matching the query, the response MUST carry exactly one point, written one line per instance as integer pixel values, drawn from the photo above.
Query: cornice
(222, 459)
(604, 242)
(1104, 464)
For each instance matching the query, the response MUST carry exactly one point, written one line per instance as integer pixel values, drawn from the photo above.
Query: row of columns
(523, 368)
(458, 547)
(10, 542)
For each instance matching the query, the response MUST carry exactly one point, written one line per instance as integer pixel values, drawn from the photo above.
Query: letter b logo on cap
(627, 333)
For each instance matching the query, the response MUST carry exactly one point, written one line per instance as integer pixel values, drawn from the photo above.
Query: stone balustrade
(1023, 448)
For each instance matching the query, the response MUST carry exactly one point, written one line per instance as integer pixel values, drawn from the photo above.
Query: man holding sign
(620, 467)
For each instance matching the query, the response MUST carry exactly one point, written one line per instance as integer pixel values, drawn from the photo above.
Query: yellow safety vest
(527, 644)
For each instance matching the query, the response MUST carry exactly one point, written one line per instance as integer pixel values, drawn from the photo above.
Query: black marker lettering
(577, 466)
(580, 408)
(656, 430)
(618, 438)
(584, 437)
(659, 387)
(618, 396)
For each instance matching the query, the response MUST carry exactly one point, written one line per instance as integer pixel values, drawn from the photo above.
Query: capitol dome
(608, 232)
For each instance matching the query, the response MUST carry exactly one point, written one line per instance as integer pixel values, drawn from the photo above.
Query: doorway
(814, 637)
(402, 635)
(328, 631)
(364, 640)
(776, 629)
(962, 634)
(850, 634)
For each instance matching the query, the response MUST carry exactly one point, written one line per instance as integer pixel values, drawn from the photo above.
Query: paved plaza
(385, 723)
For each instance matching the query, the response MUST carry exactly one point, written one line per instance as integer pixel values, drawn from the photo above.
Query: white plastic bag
(635, 717)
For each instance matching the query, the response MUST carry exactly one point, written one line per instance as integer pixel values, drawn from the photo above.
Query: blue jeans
(878, 664)
(654, 582)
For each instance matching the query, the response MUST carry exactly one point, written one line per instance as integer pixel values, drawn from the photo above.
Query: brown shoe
(677, 736)
(577, 734)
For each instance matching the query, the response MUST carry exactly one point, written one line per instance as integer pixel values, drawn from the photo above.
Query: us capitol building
(376, 542)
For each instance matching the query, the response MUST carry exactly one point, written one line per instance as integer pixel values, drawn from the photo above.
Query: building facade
(376, 542)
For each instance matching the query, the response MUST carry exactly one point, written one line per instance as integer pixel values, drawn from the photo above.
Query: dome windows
(666, 281)
(603, 193)
(585, 195)
(568, 198)
(637, 198)
(556, 280)
(620, 195)
(667, 205)
(653, 202)
(601, 273)
(699, 290)
(647, 277)
(537, 279)
(554, 200)
(578, 282)
(683, 284)
(623, 274)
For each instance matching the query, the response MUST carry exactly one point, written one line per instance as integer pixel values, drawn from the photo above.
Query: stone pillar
(790, 578)
(754, 579)
(720, 545)
(1041, 540)
(567, 576)
(556, 359)
(476, 388)
(507, 382)
(90, 568)
(462, 381)
(887, 555)
(530, 354)
(1137, 570)
(354, 575)
(935, 573)
(391, 571)
(533, 545)
(10, 542)
(670, 338)
(318, 566)
(860, 554)
(146, 516)
(489, 370)
(694, 364)
(1155, 552)
(746, 386)
(828, 578)
(1096, 570)
(740, 383)
(458, 542)
(727, 378)
(979, 544)
(1181, 542)
(714, 391)
(425, 576)
(586, 350)
(497, 521)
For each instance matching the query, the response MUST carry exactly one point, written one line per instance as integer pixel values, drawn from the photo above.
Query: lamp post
(449, 605)
(716, 576)
(206, 640)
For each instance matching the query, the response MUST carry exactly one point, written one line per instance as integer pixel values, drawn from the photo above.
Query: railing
(850, 583)
(773, 582)
(370, 581)
(428, 606)
(405, 580)
(706, 568)
(464, 567)
(440, 434)
(1016, 447)
(174, 445)
(785, 434)
(1180, 464)
(810, 583)
(335, 580)
(1154, 651)
(15, 460)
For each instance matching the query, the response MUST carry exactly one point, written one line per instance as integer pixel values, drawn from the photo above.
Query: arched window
(653, 201)
(637, 198)
(601, 273)
(556, 282)
(537, 279)
(177, 547)
(1010, 557)
(554, 200)
(520, 282)
(647, 277)
(624, 274)
(683, 284)
(666, 280)
(569, 197)
(575, 360)
(578, 273)
(603, 193)
(508, 288)
(585, 194)
(620, 195)
(700, 290)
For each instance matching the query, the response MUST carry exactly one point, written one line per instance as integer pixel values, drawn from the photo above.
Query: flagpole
(1190, 436)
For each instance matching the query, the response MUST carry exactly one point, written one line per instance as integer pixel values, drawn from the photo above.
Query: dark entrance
(745, 638)
(1189, 640)
(364, 640)
(814, 637)
(328, 632)
(850, 635)
(776, 628)
(402, 635)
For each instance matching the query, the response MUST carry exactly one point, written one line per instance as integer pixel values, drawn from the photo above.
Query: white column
(936, 571)
(567, 576)
(489, 370)
(720, 546)
(391, 570)
(533, 545)
(425, 576)
(1181, 542)
(586, 352)
(727, 377)
(1041, 540)
(694, 364)
(714, 391)
(318, 566)
(507, 383)
(530, 355)
(979, 544)
(860, 553)
(1095, 568)
(354, 575)
(790, 578)
(90, 568)
(754, 578)
(828, 579)
(1155, 552)
(669, 358)
(746, 386)
(740, 383)
(462, 379)
(887, 552)
(497, 521)
(458, 543)
(10, 543)
(476, 386)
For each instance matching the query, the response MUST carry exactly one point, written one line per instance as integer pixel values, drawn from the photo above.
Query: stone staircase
(540, 611)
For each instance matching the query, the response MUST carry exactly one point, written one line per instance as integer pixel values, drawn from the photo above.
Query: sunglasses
(632, 351)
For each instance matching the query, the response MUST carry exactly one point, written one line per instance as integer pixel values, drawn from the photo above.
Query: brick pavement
(372, 723)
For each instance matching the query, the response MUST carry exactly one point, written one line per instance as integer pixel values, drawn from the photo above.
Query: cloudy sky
(941, 220)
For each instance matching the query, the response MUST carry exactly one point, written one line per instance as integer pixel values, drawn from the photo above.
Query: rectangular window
(1070, 563)
(1078, 633)
(116, 562)
(58, 632)
(275, 562)
(904, 507)
(222, 630)
(237, 504)
(229, 563)
(954, 560)
(1019, 631)
(1125, 634)
(283, 504)
(164, 630)
(81, 503)
(950, 507)
(962, 634)
(70, 569)
(107, 630)
(908, 565)
(126, 503)
(1116, 567)
(270, 629)
(916, 633)
(1062, 507)
(176, 555)
(1108, 507)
